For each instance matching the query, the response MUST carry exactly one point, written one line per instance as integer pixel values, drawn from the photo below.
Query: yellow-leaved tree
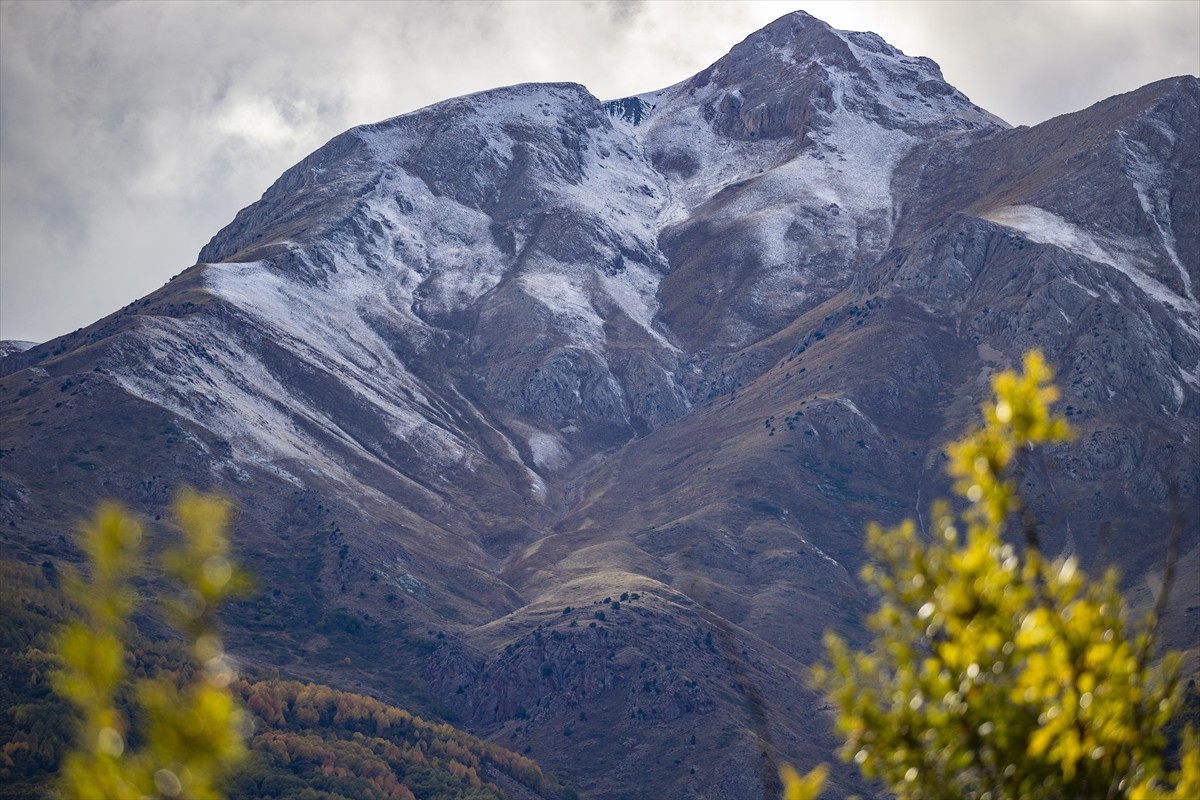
(191, 735)
(995, 672)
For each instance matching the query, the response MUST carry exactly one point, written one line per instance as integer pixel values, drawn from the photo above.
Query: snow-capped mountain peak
(476, 368)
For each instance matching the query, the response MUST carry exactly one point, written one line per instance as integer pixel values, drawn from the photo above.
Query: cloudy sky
(131, 132)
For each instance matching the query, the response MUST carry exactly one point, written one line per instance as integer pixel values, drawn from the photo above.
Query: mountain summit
(563, 418)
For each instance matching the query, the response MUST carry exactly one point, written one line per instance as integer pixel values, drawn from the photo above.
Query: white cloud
(131, 132)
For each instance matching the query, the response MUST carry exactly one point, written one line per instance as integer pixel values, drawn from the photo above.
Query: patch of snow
(792, 206)
(823, 554)
(896, 77)
(548, 451)
(406, 580)
(10, 346)
(445, 249)
(848, 403)
(326, 328)
(1146, 175)
(1092, 293)
(783, 54)
(567, 303)
(439, 254)
(680, 127)
(239, 396)
(1045, 227)
(274, 469)
(635, 291)
(1177, 393)
(537, 486)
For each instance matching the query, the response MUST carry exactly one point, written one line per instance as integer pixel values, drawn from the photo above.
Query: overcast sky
(131, 132)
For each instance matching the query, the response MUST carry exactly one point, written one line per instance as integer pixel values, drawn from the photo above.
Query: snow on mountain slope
(788, 145)
(801, 91)
(546, 236)
(231, 378)
(612, 247)
(1049, 228)
(530, 209)
(8, 346)
(1142, 148)
(522, 351)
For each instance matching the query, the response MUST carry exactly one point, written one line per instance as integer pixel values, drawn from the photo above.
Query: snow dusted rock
(474, 373)
(9, 346)
(783, 153)
(517, 226)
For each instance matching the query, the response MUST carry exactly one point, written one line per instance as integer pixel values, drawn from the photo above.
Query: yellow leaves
(94, 660)
(1035, 630)
(194, 734)
(112, 542)
(802, 787)
(1187, 782)
(1017, 418)
(1022, 403)
(993, 671)
(203, 563)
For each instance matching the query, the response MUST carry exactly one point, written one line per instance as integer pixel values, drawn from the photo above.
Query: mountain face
(563, 418)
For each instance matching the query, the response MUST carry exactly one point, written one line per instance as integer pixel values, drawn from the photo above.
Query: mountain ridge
(584, 418)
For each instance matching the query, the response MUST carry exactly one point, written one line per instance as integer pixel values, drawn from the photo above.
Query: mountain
(562, 419)
(8, 346)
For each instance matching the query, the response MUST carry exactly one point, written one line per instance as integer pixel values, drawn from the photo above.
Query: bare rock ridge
(563, 418)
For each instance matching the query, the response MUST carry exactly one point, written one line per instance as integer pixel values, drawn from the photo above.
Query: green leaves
(996, 673)
(193, 734)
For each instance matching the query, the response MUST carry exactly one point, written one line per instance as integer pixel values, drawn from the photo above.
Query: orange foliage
(380, 742)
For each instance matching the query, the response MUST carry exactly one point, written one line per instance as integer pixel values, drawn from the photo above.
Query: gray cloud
(131, 132)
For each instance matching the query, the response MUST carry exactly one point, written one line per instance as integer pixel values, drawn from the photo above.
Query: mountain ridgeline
(562, 419)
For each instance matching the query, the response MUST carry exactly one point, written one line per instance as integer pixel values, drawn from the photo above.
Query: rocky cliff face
(564, 417)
